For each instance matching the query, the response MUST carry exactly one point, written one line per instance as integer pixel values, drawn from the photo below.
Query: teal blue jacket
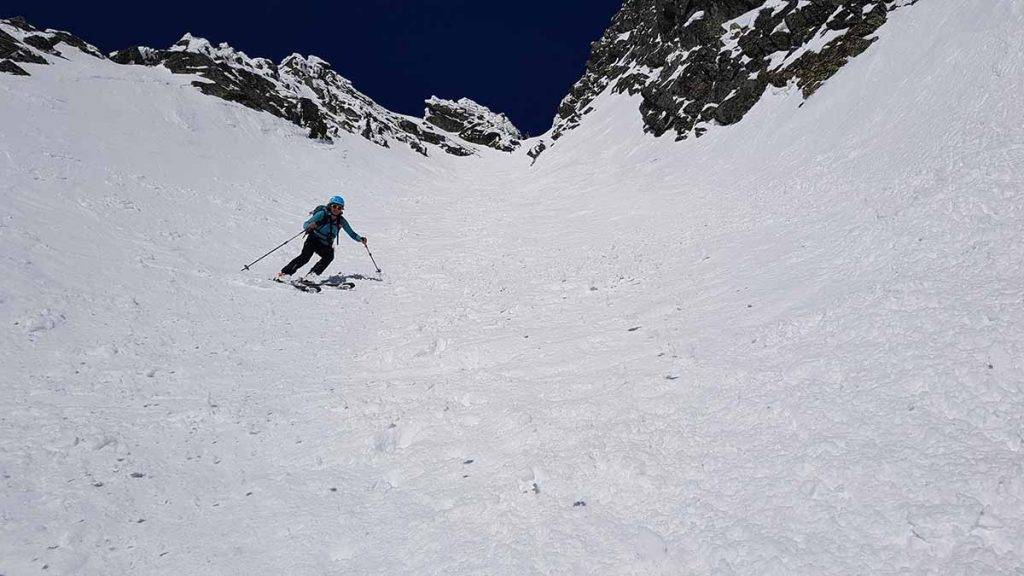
(325, 229)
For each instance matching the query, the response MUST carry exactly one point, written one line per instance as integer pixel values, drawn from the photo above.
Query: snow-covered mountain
(303, 90)
(698, 63)
(790, 346)
(695, 63)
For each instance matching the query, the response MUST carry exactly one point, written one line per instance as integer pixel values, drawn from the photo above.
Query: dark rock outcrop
(307, 114)
(24, 43)
(20, 23)
(473, 123)
(536, 151)
(137, 55)
(8, 67)
(697, 63)
(14, 50)
(47, 42)
(241, 84)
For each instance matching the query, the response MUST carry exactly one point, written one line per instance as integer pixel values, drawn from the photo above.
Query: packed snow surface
(792, 346)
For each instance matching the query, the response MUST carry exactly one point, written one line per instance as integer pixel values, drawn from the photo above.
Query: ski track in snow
(790, 347)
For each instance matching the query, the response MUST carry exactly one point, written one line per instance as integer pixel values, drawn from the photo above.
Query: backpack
(321, 211)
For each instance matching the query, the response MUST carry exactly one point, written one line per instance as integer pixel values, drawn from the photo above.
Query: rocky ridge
(697, 63)
(21, 42)
(303, 90)
(694, 63)
(473, 123)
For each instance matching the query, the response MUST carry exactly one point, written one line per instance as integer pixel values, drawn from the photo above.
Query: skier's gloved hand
(363, 240)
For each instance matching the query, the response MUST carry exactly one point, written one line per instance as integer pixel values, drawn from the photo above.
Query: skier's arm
(313, 220)
(351, 233)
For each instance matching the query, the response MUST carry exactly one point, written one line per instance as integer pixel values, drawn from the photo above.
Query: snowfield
(792, 346)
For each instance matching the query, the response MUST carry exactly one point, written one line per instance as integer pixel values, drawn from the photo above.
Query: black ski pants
(312, 246)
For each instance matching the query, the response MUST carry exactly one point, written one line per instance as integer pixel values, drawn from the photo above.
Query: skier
(322, 228)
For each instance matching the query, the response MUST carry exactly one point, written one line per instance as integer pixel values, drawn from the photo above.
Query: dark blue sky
(519, 58)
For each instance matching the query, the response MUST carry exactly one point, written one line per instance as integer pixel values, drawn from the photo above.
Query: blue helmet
(337, 200)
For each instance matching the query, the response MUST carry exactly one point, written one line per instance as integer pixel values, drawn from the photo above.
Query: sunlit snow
(791, 346)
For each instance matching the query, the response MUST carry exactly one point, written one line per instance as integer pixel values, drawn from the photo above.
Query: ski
(310, 286)
(306, 285)
(300, 284)
(338, 285)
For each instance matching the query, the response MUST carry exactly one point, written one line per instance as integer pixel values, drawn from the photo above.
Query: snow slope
(792, 346)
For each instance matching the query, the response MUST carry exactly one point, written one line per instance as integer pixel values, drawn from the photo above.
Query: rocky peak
(302, 89)
(190, 43)
(310, 66)
(21, 42)
(473, 122)
(222, 53)
(698, 63)
(20, 23)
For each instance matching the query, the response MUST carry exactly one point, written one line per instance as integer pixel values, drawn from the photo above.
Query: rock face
(11, 68)
(697, 63)
(536, 151)
(24, 43)
(473, 123)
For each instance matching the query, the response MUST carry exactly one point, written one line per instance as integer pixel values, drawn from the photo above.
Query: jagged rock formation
(702, 62)
(303, 90)
(22, 42)
(473, 123)
(11, 68)
(536, 151)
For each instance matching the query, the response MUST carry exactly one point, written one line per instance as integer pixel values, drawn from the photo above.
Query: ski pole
(371, 258)
(274, 250)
